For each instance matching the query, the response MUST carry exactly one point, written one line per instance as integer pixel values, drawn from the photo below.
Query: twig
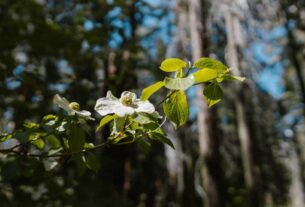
(168, 96)
(11, 150)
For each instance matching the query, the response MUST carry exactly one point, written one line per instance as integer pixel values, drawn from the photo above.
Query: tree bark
(174, 158)
(208, 142)
(298, 170)
(251, 176)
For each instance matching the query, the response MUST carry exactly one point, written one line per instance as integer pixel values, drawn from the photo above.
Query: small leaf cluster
(138, 127)
(204, 70)
(56, 136)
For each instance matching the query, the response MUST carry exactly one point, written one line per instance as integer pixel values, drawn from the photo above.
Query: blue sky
(267, 52)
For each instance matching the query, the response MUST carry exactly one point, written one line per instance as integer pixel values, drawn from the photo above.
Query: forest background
(248, 150)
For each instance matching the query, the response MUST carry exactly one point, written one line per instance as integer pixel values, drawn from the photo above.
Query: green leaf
(36, 135)
(39, 144)
(176, 108)
(79, 160)
(213, 94)
(30, 125)
(179, 83)
(172, 64)
(144, 118)
(106, 120)
(118, 124)
(179, 74)
(144, 145)
(234, 78)
(151, 126)
(88, 145)
(49, 117)
(77, 138)
(54, 151)
(49, 164)
(132, 123)
(204, 75)
(21, 136)
(92, 162)
(123, 139)
(54, 141)
(150, 90)
(161, 137)
(220, 79)
(210, 63)
(4, 137)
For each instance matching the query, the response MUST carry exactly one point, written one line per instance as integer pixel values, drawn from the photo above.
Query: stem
(169, 95)
(188, 71)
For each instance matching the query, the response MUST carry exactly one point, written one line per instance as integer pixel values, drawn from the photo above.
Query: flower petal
(106, 106)
(63, 103)
(144, 106)
(122, 110)
(62, 126)
(83, 113)
(110, 96)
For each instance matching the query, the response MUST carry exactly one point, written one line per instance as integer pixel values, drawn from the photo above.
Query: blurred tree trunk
(251, 176)
(174, 158)
(296, 186)
(294, 53)
(208, 142)
(118, 64)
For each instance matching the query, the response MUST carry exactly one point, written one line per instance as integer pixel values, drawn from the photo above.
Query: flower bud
(75, 106)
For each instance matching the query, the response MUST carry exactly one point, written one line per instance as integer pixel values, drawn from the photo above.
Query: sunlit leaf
(49, 117)
(123, 139)
(30, 125)
(144, 118)
(204, 75)
(179, 83)
(132, 123)
(118, 124)
(179, 74)
(88, 145)
(172, 64)
(220, 79)
(39, 144)
(4, 137)
(150, 90)
(105, 121)
(176, 108)
(210, 63)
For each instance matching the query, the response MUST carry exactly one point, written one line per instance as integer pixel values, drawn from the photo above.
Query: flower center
(74, 105)
(127, 100)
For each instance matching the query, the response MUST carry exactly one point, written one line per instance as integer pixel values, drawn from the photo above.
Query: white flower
(126, 105)
(71, 108)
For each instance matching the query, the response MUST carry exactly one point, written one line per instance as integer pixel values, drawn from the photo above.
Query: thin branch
(11, 150)
(67, 154)
(168, 96)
